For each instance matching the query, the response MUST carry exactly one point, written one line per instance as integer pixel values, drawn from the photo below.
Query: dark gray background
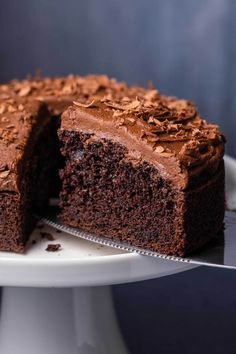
(187, 48)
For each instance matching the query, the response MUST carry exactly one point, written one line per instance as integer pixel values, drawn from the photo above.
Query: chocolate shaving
(167, 154)
(24, 91)
(84, 105)
(53, 247)
(152, 139)
(117, 113)
(151, 95)
(133, 105)
(11, 109)
(3, 167)
(4, 174)
(159, 149)
(2, 109)
(4, 119)
(21, 107)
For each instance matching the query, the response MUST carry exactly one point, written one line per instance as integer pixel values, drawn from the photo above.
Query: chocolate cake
(138, 166)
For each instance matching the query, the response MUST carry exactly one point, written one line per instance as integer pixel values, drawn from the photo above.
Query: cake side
(204, 211)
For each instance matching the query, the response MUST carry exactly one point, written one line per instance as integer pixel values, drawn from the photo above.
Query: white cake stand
(60, 303)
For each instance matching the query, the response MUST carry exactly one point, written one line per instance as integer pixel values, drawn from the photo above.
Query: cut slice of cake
(142, 168)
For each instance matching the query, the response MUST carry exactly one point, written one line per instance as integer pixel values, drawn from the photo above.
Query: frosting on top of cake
(58, 92)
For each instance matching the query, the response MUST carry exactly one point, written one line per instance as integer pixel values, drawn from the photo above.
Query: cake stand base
(58, 321)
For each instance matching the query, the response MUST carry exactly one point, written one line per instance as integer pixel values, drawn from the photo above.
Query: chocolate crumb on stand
(53, 247)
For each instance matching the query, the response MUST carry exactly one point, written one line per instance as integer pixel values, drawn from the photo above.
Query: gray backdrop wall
(187, 48)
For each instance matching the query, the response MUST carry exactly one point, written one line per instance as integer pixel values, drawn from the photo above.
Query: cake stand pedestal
(59, 321)
(61, 303)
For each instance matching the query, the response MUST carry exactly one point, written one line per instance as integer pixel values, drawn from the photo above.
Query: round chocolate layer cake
(135, 165)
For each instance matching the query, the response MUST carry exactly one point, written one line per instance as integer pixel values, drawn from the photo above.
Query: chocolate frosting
(165, 131)
(59, 92)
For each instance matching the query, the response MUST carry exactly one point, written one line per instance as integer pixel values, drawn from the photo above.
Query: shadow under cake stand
(60, 302)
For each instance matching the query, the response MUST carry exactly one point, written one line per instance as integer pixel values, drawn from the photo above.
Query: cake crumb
(53, 248)
(47, 235)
